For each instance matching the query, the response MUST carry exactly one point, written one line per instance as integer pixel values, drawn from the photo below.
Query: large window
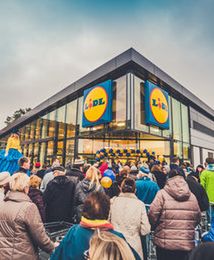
(44, 120)
(42, 152)
(71, 111)
(69, 151)
(60, 117)
(185, 123)
(38, 128)
(176, 118)
(32, 130)
(161, 148)
(139, 105)
(52, 123)
(119, 103)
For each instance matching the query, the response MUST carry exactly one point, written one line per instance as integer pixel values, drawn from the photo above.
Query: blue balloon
(109, 173)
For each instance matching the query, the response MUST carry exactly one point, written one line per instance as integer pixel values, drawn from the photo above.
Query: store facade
(58, 126)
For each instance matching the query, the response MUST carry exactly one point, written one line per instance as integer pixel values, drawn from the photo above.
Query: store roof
(127, 59)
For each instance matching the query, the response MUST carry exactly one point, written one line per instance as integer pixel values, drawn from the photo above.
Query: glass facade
(60, 133)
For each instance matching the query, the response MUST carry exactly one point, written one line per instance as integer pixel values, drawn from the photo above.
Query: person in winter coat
(146, 189)
(4, 181)
(199, 192)
(83, 189)
(59, 197)
(128, 215)
(75, 245)
(174, 214)
(209, 236)
(49, 174)
(76, 171)
(207, 181)
(175, 165)
(205, 251)
(36, 195)
(159, 175)
(21, 227)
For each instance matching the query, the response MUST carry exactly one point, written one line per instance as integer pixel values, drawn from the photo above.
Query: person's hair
(210, 160)
(35, 181)
(96, 206)
(107, 246)
(173, 173)
(156, 168)
(19, 181)
(86, 167)
(175, 159)
(128, 185)
(23, 160)
(92, 174)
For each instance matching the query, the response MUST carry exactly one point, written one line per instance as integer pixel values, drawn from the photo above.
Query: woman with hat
(4, 182)
(10, 156)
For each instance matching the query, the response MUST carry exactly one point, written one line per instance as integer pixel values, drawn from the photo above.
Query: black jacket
(161, 178)
(83, 189)
(199, 193)
(36, 197)
(174, 166)
(75, 173)
(59, 199)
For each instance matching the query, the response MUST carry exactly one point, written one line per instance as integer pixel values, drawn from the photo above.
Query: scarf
(96, 223)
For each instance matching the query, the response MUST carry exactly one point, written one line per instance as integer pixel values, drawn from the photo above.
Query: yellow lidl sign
(156, 106)
(97, 105)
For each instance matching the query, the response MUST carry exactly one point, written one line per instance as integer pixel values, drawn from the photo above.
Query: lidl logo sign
(156, 106)
(97, 105)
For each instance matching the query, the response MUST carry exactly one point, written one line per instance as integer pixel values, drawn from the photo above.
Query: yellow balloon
(106, 182)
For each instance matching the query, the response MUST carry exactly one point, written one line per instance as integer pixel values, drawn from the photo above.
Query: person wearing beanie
(146, 188)
(174, 215)
(207, 181)
(199, 192)
(4, 181)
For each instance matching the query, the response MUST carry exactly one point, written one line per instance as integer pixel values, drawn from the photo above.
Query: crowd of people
(113, 208)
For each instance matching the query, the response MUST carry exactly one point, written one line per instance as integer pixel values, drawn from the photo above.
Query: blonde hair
(92, 174)
(19, 181)
(35, 181)
(107, 246)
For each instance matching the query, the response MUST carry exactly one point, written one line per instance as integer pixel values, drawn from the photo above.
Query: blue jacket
(76, 243)
(146, 190)
(209, 237)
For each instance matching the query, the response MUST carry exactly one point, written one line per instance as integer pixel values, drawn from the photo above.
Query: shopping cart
(56, 231)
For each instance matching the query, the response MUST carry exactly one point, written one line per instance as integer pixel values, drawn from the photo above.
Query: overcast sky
(46, 45)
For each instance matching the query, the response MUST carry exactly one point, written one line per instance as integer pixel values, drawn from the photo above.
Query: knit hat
(37, 165)
(4, 178)
(144, 168)
(133, 168)
(78, 162)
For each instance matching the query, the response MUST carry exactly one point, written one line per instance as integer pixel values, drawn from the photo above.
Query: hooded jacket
(207, 181)
(21, 229)
(83, 189)
(174, 214)
(59, 199)
(36, 197)
(128, 216)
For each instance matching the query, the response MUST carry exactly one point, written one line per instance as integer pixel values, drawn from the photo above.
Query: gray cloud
(42, 52)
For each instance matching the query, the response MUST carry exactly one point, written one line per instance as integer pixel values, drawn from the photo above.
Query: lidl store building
(126, 106)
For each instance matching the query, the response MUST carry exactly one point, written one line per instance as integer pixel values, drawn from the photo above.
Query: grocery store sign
(156, 106)
(97, 104)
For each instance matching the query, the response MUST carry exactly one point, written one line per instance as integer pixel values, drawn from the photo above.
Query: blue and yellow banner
(97, 104)
(156, 106)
